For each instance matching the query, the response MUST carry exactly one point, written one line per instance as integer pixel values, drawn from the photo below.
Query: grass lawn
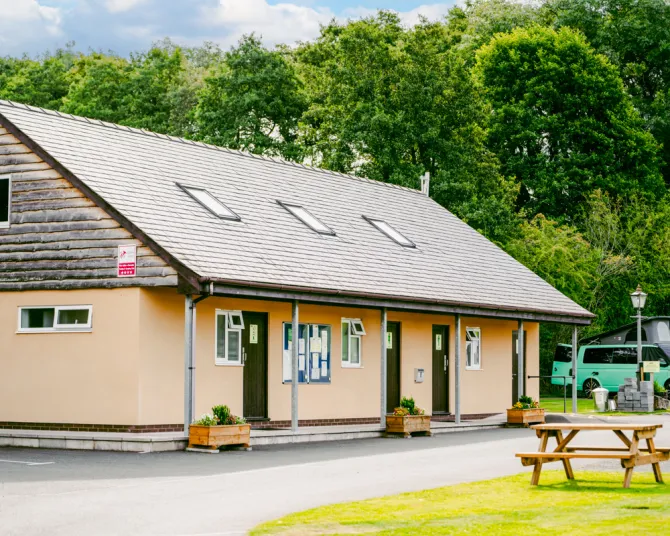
(594, 504)
(585, 405)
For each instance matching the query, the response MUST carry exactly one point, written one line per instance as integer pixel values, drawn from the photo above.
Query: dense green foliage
(546, 126)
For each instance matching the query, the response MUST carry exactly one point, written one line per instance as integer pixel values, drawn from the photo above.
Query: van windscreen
(563, 354)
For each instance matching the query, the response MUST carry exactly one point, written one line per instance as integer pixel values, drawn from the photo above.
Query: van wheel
(588, 387)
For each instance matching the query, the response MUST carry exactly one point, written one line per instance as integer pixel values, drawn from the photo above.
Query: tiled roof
(136, 172)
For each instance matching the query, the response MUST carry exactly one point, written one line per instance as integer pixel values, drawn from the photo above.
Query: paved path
(63, 492)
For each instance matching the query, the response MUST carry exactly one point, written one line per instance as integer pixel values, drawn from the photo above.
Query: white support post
(457, 375)
(574, 369)
(189, 371)
(383, 371)
(294, 367)
(521, 358)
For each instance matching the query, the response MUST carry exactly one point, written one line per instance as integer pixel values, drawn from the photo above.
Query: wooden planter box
(213, 437)
(408, 425)
(525, 416)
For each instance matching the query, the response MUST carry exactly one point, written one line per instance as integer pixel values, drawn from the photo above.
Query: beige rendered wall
(83, 378)
(352, 392)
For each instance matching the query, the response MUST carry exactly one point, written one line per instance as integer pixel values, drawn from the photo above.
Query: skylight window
(391, 232)
(308, 218)
(210, 202)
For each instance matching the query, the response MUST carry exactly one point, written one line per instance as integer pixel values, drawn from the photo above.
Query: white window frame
(468, 344)
(5, 224)
(353, 333)
(221, 211)
(229, 327)
(59, 328)
(390, 231)
(304, 215)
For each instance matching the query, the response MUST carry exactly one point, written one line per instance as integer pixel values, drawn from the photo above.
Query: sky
(122, 26)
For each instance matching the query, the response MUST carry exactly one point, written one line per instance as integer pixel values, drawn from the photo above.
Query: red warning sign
(127, 261)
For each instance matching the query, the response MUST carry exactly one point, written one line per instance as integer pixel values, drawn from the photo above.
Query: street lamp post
(639, 300)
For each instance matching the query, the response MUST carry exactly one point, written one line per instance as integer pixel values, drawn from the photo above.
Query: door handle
(244, 356)
(594, 373)
(446, 363)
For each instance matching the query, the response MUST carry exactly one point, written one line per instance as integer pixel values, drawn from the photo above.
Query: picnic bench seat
(631, 455)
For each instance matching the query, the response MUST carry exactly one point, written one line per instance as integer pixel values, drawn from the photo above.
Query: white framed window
(391, 232)
(210, 202)
(5, 201)
(229, 326)
(352, 348)
(473, 348)
(306, 217)
(52, 319)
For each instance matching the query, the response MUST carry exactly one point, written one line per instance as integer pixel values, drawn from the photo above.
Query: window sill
(352, 366)
(474, 368)
(52, 331)
(222, 364)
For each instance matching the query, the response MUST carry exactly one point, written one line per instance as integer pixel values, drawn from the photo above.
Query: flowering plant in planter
(525, 411)
(408, 407)
(219, 428)
(408, 418)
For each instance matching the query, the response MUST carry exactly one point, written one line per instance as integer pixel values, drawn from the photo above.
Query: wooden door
(392, 366)
(440, 369)
(255, 357)
(515, 364)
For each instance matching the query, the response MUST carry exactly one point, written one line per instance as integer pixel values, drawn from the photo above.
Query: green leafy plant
(206, 420)
(659, 389)
(222, 414)
(408, 407)
(526, 402)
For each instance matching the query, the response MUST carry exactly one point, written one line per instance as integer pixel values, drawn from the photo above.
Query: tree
(390, 103)
(253, 101)
(562, 123)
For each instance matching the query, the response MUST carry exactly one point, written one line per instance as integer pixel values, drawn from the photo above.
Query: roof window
(308, 218)
(210, 202)
(391, 232)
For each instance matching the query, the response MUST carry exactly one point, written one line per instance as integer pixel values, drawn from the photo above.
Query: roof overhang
(394, 303)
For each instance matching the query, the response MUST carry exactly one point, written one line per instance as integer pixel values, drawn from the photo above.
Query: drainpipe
(521, 358)
(189, 357)
(574, 369)
(457, 374)
(383, 397)
(294, 368)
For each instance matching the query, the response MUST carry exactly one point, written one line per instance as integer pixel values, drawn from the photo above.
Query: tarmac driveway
(68, 492)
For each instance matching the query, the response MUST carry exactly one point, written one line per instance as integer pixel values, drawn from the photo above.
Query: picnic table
(631, 454)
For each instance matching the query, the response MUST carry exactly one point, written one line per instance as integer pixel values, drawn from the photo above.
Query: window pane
(475, 353)
(392, 233)
(563, 354)
(221, 336)
(663, 331)
(355, 350)
(211, 203)
(345, 341)
(4, 200)
(37, 318)
(234, 345)
(235, 320)
(308, 219)
(468, 354)
(73, 317)
(624, 356)
(598, 355)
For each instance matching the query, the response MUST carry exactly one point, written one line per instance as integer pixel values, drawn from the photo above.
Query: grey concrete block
(636, 397)
(646, 387)
(51, 443)
(31, 442)
(108, 445)
(79, 444)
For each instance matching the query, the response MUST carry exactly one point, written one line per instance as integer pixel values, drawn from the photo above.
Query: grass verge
(584, 405)
(595, 504)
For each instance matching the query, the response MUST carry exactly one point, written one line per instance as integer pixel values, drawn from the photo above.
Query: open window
(210, 202)
(473, 348)
(52, 319)
(306, 217)
(389, 231)
(5, 201)
(352, 349)
(229, 326)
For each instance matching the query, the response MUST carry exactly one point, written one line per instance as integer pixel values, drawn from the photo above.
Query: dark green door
(255, 358)
(392, 366)
(515, 364)
(440, 369)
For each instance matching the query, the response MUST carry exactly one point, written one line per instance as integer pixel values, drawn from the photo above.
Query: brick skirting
(315, 422)
(464, 417)
(117, 428)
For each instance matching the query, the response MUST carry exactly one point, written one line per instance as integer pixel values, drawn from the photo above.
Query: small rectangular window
(391, 232)
(5, 201)
(308, 218)
(54, 319)
(229, 326)
(210, 202)
(352, 331)
(473, 349)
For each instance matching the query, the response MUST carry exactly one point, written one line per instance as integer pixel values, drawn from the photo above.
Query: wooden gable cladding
(58, 238)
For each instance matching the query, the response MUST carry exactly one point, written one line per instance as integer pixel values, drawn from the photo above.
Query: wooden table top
(601, 426)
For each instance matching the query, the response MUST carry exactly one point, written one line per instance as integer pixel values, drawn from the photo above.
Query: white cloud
(23, 18)
(429, 11)
(279, 23)
(119, 6)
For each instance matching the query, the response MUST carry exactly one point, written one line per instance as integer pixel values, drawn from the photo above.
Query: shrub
(658, 388)
(222, 413)
(408, 407)
(206, 420)
(526, 402)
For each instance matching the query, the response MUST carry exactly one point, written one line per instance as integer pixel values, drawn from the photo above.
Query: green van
(606, 365)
